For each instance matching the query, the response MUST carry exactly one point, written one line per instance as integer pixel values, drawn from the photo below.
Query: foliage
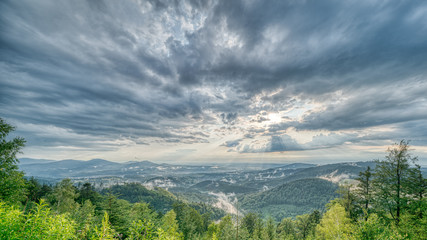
(335, 224)
(40, 223)
(104, 232)
(364, 190)
(392, 181)
(191, 223)
(65, 195)
(118, 211)
(291, 199)
(12, 187)
(140, 230)
(170, 226)
(160, 199)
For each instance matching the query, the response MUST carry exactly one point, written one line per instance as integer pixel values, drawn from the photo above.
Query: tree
(12, 183)
(33, 190)
(259, 232)
(304, 226)
(418, 186)
(226, 229)
(270, 228)
(190, 221)
(249, 222)
(119, 213)
(286, 229)
(87, 192)
(335, 224)
(141, 211)
(364, 191)
(348, 200)
(105, 232)
(65, 195)
(170, 226)
(392, 180)
(85, 218)
(39, 223)
(140, 230)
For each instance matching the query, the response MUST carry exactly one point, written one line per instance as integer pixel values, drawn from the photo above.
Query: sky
(215, 81)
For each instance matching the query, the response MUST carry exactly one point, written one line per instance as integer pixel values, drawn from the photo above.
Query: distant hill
(291, 199)
(332, 172)
(337, 172)
(68, 168)
(33, 160)
(102, 168)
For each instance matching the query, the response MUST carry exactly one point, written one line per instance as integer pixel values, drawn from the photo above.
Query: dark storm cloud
(79, 67)
(326, 44)
(149, 68)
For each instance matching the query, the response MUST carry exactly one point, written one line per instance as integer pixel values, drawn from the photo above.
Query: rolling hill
(291, 199)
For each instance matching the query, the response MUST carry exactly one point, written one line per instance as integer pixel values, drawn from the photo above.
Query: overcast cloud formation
(214, 80)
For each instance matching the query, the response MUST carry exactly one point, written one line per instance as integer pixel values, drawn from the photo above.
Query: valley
(273, 190)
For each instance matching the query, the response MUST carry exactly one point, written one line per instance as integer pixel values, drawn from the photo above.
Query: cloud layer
(239, 76)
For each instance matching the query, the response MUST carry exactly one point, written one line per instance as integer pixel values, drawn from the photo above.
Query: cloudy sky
(215, 81)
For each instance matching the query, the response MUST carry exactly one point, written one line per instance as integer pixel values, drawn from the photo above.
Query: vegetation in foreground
(388, 202)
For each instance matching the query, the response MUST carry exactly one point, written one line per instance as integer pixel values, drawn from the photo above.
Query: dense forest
(290, 199)
(387, 202)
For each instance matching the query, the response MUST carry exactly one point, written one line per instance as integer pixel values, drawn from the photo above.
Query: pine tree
(170, 226)
(392, 180)
(364, 190)
(270, 228)
(226, 229)
(286, 229)
(65, 195)
(249, 222)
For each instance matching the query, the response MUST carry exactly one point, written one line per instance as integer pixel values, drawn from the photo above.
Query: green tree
(392, 180)
(143, 230)
(259, 231)
(335, 224)
(141, 211)
(85, 220)
(213, 231)
(270, 228)
(119, 213)
(286, 229)
(87, 192)
(65, 195)
(303, 226)
(189, 220)
(249, 221)
(39, 223)
(226, 229)
(33, 190)
(348, 200)
(104, 232)
(418, 186)
(364, 190)
(11, 221)
(170, 226)
(370, 229)
(12, 183)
